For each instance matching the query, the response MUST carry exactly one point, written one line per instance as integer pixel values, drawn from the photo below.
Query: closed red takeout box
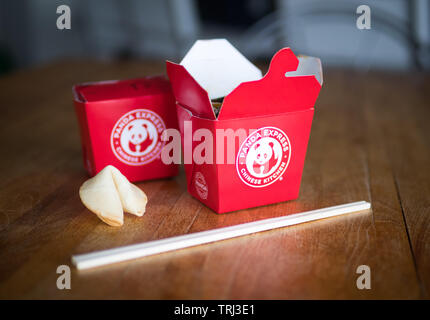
(121, 123)
(270, 116)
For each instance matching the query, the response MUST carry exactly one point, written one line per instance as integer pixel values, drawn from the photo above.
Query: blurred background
(399, 37)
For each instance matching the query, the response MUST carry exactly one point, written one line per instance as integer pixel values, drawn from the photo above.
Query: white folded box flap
(308, 66)
(218, 67)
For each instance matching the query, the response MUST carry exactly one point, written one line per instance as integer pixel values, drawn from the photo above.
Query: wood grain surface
(370, 141)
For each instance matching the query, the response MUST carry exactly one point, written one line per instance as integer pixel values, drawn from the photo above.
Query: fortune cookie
(109, 194)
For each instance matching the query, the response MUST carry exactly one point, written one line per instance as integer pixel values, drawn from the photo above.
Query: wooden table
(370, 141)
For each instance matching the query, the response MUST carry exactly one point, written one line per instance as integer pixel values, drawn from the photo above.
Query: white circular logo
(263, 157)
(135, 138)
(201, 185)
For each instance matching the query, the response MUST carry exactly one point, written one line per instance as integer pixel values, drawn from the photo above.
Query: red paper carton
(270, 117)
(121, 123)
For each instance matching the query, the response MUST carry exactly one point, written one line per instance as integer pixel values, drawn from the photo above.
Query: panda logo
(135, 138)
(263, 157)
(139, 137)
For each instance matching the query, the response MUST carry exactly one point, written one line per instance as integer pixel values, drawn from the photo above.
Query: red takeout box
(273, 114)
(121, 123)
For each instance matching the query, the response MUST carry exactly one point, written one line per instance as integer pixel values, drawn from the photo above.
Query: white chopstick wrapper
(105, 257)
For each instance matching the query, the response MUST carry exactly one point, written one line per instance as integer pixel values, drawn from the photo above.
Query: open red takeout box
(270, 118)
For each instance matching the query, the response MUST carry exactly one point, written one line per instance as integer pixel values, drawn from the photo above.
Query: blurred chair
(398, 38)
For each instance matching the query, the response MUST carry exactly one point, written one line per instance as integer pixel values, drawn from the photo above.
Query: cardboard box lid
(218, 67)
(120, 89)
(291, 84)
